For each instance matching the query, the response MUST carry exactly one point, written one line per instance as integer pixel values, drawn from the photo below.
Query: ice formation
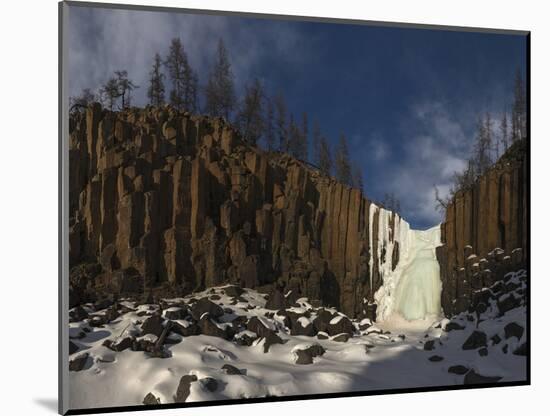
(413, 289)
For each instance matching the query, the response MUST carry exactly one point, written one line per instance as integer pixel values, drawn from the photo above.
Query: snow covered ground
(125, 353)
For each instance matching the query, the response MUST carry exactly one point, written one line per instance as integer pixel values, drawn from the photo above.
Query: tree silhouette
(249, 119)
(184, 79)
(156, 83)
(220, 89)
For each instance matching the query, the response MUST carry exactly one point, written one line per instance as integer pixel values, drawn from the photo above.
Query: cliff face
(484, 234)
(164, 199)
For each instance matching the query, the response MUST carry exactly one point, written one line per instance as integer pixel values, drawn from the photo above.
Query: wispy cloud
(101, 41)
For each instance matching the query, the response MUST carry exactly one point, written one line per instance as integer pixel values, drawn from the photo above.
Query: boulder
(521, 350)
(340, 324)
(78, 363)
(231, 370)
(436, 358)
(152, 325)
(513, 329)
(305, 355)
(453, 326)
(429, 345)
(184, 388)
(477, 339)
(185, 330)
(458, 369)
(344, 337)
(204, 305)
(472, 377)
(73, 347)
(209, 383)
(210, 328)
(150, 400)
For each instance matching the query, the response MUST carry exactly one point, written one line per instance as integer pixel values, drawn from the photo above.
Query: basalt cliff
(169, 202)
(485, 232)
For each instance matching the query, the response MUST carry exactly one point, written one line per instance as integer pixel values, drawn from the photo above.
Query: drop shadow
(48, 404)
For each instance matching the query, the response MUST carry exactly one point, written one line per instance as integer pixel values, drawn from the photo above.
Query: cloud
(436, 148)
(104, 40)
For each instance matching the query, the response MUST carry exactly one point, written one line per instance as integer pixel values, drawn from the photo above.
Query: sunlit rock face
(169, 201)
(485, 230)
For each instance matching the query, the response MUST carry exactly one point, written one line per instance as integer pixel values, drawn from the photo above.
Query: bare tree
(304, 139)
(325, 156)
(220, 89)
(316, 143)
(280, 122)
(249, 119)
(269, 126)
(293, 137)
(156, 83)
(184, 79)
(85, 98)
(125, 86)
(109, 93)
(357, 177)
(441, 202)
(519, 116)
(504, 131)
(343, 166)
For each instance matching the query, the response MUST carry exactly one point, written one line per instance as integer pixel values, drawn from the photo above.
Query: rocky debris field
(229, 342)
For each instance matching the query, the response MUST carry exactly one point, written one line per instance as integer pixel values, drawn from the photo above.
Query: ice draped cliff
(165, 202)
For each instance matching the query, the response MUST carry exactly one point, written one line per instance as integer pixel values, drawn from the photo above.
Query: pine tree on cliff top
(325, 156)
(220, 89)
(280, 121)
(250, 118)
(184, 79)
(125, 86)
(342, 165)
(269, 126)
(519, 112)
(156, 83)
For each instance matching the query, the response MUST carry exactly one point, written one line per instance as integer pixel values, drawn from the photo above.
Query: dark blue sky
(407, 99)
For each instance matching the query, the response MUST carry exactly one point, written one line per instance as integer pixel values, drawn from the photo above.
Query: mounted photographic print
(266, 208)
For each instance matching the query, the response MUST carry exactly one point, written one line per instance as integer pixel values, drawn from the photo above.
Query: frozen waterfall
(413, 289)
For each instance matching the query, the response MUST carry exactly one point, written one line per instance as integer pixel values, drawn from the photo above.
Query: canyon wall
(168, 201)
(485, 231)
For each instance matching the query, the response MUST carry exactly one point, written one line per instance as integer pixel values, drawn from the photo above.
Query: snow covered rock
(340, 324)
(204, 305)
(78, 363)
(213, 329)
(152, 325)
(343, 337)
(175, 313)
(185, 328)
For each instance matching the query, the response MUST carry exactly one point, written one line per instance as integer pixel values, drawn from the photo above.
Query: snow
(373, 360)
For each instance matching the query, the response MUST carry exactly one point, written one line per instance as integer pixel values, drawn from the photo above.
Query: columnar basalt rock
(484, 234)
(166, 200)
